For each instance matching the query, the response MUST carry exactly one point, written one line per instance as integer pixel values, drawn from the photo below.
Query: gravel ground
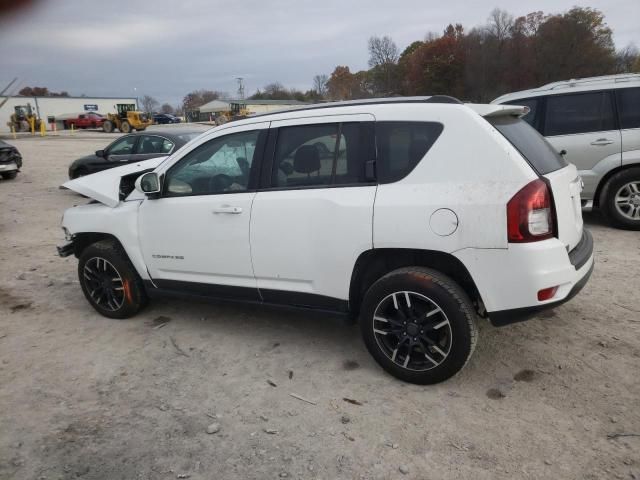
(82, 396)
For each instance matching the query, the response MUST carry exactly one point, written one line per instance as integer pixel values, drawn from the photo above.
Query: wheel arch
(373, 264)
(603, 181)
(82, 240)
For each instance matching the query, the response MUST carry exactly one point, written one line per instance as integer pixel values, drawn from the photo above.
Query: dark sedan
(133, 148)
(164, 118)
(10, 161)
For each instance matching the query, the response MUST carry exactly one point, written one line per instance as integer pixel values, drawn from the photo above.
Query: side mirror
(148, 183)
(100, 153)
(562, 152)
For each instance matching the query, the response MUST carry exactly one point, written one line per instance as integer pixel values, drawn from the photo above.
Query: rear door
(314, 213)
(584, 125)
(628, 101)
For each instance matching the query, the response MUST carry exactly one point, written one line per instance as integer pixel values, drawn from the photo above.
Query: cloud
(167, 48)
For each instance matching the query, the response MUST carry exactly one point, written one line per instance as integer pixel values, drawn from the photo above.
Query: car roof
(625, 80)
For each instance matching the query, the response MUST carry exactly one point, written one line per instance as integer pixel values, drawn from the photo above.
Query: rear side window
(579, 113)
(533, 146)
(629, 107)
(401, 146)
(322, 154)
(531, 116)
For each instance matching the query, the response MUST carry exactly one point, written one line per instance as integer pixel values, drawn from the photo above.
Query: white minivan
(417, 215)
(595, 123)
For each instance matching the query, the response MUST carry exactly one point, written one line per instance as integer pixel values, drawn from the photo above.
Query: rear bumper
(506, 317)
(509, 280)
(8, 167)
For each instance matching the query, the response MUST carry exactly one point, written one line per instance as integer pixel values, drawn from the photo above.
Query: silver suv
(595, 123)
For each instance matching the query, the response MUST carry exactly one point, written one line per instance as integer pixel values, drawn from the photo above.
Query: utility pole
(240, 88)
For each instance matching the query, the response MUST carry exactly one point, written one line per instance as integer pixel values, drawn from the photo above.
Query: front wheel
(620, 199)
(419, 325)
(109, 282)
(107, 126)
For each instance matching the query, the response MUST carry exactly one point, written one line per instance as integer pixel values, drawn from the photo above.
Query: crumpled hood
(105, 186)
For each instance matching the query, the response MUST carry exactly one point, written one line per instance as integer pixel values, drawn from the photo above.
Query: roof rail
(620, 77)
(368, 101)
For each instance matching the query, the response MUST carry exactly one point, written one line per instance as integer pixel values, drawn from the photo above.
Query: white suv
(417, 214)
(595, 123)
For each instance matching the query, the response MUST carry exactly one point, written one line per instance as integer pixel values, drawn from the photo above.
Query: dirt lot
(82, 396)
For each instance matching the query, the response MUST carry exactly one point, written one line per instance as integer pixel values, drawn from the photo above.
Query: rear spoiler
(489, 110)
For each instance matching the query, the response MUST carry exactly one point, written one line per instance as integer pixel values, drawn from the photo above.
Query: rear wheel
(620, 199)
(109, 282)
(125, 127)
(107, 126)
(10, 175)
(419, 325)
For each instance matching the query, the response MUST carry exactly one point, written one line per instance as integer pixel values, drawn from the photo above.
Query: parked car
(595, 123)
(85, 120)
(417, 215)
(132, 148)
(164, 118)
(10, 161)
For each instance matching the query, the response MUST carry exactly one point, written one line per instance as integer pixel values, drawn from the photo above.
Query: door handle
(602, 141)
(227, 209)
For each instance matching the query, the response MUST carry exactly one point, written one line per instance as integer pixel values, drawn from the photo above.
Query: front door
(196, 235)
(583, 125)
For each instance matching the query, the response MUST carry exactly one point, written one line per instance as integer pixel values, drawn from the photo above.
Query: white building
(60, 107)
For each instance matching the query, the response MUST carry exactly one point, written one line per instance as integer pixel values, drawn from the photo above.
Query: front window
(221, 165)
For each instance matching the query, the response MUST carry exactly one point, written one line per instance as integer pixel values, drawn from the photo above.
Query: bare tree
(166, 108)
(382, 51)
(500, 24)
(149, 104)
(320, 84)
(627, 58)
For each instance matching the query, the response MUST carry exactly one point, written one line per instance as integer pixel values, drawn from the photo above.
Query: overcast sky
(166, 48)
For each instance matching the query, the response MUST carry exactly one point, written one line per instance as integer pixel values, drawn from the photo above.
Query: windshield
(531, 145)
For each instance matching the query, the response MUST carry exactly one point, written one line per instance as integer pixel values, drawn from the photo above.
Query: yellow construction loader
(24, 119)
(127, 119)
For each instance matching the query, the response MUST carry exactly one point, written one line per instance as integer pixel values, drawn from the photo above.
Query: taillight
(530, 215)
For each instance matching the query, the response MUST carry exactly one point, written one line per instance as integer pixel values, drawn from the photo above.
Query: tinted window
(401, 146)
(532, 103)
(221, 165)
(154, 144)
(629, 107)
(322, 154)
(533, 146)
(122, 146)
(579, 113)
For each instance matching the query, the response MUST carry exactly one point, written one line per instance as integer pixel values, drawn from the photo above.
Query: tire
(624, 186)
(10, 175)
(107, 126)
(125, 127)
(418, 348)
(99, 265)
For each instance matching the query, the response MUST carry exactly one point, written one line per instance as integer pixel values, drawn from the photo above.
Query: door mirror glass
(100, 153)
(148, 183)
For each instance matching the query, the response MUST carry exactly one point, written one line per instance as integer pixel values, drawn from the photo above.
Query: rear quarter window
(531, 145)
(401, 146)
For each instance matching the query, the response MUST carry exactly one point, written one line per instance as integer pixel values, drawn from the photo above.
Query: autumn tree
(197, 98)
(41, 92)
